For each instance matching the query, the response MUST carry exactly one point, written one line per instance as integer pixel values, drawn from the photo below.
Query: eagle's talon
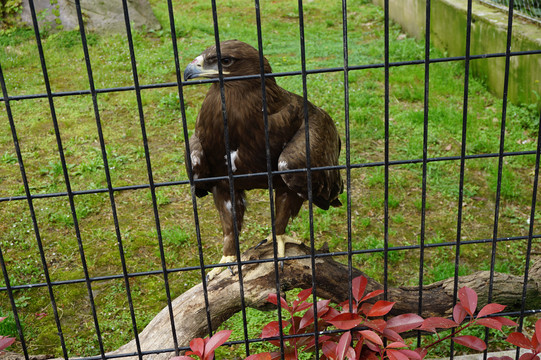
(214, 272)
(264, 241)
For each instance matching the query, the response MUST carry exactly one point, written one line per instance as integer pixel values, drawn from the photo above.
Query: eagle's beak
(197, 69)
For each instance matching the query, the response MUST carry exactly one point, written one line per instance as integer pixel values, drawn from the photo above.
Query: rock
(101, 16)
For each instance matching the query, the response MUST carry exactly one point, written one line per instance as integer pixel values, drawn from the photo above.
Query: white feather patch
(234, 156)
(282, 165)
(195, 156)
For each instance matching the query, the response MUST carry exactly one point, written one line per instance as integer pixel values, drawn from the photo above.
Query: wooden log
(332, 279)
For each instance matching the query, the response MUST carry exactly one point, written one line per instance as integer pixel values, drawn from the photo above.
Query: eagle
(247, 144)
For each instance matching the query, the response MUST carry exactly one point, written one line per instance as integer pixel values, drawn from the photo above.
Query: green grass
(109, 55)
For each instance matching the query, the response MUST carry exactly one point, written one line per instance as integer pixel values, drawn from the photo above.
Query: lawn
(109, 55)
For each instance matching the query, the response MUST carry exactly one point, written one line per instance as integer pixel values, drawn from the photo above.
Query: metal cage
(137, 88)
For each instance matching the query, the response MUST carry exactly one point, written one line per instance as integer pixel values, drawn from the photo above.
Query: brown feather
(286, 124)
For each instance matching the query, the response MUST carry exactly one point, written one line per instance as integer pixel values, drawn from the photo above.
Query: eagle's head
(237, 58)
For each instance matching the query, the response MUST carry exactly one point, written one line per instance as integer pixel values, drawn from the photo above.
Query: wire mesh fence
(102, 227)
(530, 8)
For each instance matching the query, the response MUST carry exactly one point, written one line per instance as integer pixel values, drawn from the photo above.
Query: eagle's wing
(200, 167)
(324, 151)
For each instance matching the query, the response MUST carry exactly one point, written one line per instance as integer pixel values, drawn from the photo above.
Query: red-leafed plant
(522, 341)
(204, 348)
(366, 334)
(5, 341)
(369, 335)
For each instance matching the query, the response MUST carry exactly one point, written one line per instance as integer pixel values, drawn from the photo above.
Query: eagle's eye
(226, 61)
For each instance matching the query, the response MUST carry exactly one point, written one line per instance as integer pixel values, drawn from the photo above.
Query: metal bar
(151, 186)
(345, 46)
(180, 91)
(269, 174)
(319, 168)
(230, 177)
(386, 149)
(8, 287)
(500, 162)
(27, 187)
(308, 172)
(277, 74)
(318, 255)
(425, 154)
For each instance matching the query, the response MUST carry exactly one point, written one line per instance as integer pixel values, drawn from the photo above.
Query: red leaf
(411, 354)
(396, 344)
(346, 321)
(518, 339)
(527, 356)
(490, 309)
(301, 307)
(273, 298)
(3, 318)
(505, 321)
(468, 299)
(422, 352)
(216, 340)
(372, 294)
(303, 295)
(272, 329)
(473, 342)
(396, 355)
(6, 342)
(404, 322)
(376, 324)
(343, 345)
(371, 336)
(380, 308)
(198, 347)
(490, 323)
(308, 317)
(538, 330)
(459, 313)
(262, 356)
(392, 335)
(329, 349)
(358, 286)
(433, 323)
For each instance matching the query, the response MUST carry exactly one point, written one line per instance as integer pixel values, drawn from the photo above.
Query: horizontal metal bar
(240, 176)
(258, 261)
(280, 74)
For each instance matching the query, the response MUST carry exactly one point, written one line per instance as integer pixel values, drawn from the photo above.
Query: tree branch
(332, 279)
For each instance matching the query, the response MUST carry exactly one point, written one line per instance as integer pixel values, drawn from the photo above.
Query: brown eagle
(286, 127)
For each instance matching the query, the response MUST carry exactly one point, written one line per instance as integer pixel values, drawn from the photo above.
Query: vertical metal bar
(2, 262)
(108, 180)
(500, 159)
(189, 170)
(386, 153)
(425, 153)
(530, 231)
(27, 188)
(502, 145)
(462, 156)
(269, 171)
(308, 172)
(348, 144)
(150, 175)
(72, 207)
(230, 174)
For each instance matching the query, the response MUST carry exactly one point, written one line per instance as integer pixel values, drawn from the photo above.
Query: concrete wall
(489, 35)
